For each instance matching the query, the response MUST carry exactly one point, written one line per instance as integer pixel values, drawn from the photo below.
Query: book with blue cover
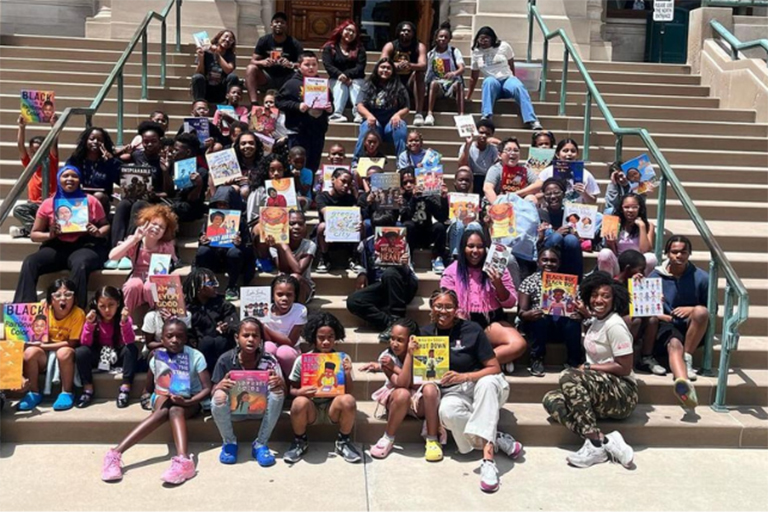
(200, 126)
(171, 373)
(182, 170)
(568, 170)
(71, 214)
(640, 174)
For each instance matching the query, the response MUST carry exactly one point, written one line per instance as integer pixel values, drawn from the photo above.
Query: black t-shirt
(101, 174)
(469, 345)
(140, 158)
(290, 49)
(214, 75)
(326, 199)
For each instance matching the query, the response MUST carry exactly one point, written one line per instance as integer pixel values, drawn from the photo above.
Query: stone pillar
(699, 31)
(460, 14)
(250, 25)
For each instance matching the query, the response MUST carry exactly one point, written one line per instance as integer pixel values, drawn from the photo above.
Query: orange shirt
(35, 185)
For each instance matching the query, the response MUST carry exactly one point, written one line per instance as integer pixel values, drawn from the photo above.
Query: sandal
(85, 400)
(146, 401)
(122, 398)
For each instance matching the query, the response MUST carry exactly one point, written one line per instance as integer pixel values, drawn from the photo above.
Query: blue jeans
(388, 133)
(222, 415)
(455, 232)
(343, 93)
(571, 259)
(511, 87)
(549, 329)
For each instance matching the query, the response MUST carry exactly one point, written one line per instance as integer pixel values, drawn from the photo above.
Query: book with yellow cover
(431, 360)
(610, 225)
(274, 222)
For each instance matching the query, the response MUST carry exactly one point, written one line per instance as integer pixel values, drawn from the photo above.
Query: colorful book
(273, 221)
(160, 264)
(223, 226)
(568, 170)
(71, 214)
(202, 40)
(11, 364)
(264, 120)
(37, 106)
(430, 179)
(228, 110)
(432, 359)
(513, 178)
(171, 373)
(432, 159)
(135, 181)
(182, 172)
(223, 166)
(386, 189)
(267, 141)
(463, 207)
(200, 126)
(341, 224)
(539, 159)
(316, 92)
(558, 293)
(248, 397)
(281, 192)
(497, 258)
(611, 225)
(324, 371)
(365, 163)
(168, 294)
(328, 170)
(640, 174)
(27, 322)
(582, 218)
(466, 126)
(276, 54)
(255, 301)
(389, 246)
(646, 297)
(502, 220)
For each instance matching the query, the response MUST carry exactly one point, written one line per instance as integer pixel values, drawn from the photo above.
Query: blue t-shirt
(407, 158)
(197, 364)
(101, 174)
(307, 178)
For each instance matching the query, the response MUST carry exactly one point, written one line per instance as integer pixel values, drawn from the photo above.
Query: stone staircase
(720, 155)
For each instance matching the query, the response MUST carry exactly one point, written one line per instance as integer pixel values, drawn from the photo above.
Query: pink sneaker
(181, 470)
(382, 448)
(112, 467)
(586, 245)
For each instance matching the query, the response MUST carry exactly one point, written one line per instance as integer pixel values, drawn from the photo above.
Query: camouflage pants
(586, 395)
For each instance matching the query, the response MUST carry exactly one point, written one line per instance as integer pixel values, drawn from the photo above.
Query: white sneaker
(588, 455)
(358, 119)
(507, 444)
(429, 120)
(489, 476)
(688, 358)
(17, 232)
(649, 364)
(618, 449)
(508, 368)
(338, 118)
(418, 120)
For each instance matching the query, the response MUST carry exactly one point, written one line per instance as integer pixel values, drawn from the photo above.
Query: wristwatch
(587, 366)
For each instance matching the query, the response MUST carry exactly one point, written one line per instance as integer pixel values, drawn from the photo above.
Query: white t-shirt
(284, 324)
(153, 323)
(493, 61)
(608, 339)
(590, 185)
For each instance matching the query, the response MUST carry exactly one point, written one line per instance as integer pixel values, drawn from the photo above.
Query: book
(266, 141)
(276, 54)
(200, 126)
(466, 126)
(171, 373)
(497, 258)
(389, 246)
(529, 73)
(502, 220)
(248, 397)
(430, 179)
(71, 214)
(37, 106)
(539, 159)
(228, 110)
(432, 359)
(341, 224)
(432, 159)
(568, 170)
(202, 40)
(182, 170)
(223, 166)
(281, 192)
(365, 163)
(223, 226)
(582, 218)
(26, 322)
(255, 301)
(324, 371)
(11, 364)
(135, 181)
(640, 174)
(463, 207)
(646, 297)
(273, 221)
(168, 294)
(513, 178)
(264, 120)
(558, 293)
(316, 92)
(160, 264)
(610, 226)
(328, 170)
(386, 189)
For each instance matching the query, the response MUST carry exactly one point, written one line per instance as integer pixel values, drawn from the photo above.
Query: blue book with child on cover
(71, 214)
(640, 174)
(171, 373)
(182, 170)
(201, 126)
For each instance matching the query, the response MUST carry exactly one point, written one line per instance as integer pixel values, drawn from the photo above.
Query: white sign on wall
(663, 10)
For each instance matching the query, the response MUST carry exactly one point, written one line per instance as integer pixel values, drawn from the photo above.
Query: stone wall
(627, 35)
(46, 17)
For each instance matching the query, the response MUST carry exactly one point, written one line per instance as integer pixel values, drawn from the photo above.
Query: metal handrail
(735, 44)
(90, 111)
(736, 307)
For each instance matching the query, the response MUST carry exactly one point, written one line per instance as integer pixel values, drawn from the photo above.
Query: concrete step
(640, 87)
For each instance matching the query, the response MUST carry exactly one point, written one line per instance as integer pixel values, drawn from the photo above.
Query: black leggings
(212, 347)
(87, 358)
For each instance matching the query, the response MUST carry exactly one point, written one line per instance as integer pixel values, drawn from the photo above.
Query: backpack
(523, 243)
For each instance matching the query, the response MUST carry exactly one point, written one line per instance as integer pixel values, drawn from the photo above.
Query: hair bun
(446, 24)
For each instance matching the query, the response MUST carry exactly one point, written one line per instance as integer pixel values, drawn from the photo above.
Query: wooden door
(312, 21)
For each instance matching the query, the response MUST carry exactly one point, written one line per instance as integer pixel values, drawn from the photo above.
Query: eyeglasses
(440, 307)
(511, 151)
(63, 295)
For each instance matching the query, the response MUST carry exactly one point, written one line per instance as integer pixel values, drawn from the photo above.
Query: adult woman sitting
(383, 103)
(473, 390)
(215, 71)
(81, 252)
(344, 59)
(99, 169)
(553, 232)
(635, 232)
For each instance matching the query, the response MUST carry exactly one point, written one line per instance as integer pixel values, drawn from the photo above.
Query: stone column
(699, 31)
(460, 14)
(250, 25)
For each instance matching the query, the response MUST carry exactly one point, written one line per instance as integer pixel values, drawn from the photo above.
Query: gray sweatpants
(222, 415)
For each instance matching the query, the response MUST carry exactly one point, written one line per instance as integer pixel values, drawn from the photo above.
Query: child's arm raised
(20, 137)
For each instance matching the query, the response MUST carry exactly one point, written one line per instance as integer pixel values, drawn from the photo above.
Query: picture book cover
(266, 141)
(341, 224)
(228, 110)
(223, 166)
(610, 226)
(135, 181)
(168, 294)
(463, 207)
(497, 258)
(182, 170)
(248, 397)
(558, 293)
(264, 120)
(316, 92)
(430, 179)
(27, 322)
(222, 227)
(328, 170)
(281, 193)
(276, 54)
(202, 40)
(466, 126)
(160, 264)
(385, 187)
(503, 220)
(431, 360)
(273, 221)
(539, 159)
(513, 178)
(171, 373)
(389, 245)
(325, 372)
(200, 126)
(11, 364)
(568, 170)
(582, 218)
(255, 301)
(71, 214)
(646, 296)
(640, 174)
(37, 106)
(365, 163)
(432, 159)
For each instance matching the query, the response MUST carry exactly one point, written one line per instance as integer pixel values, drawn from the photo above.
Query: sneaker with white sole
(686, 393)
(296, 451)
(618, 449)
(438, 267)
(489, 476)
(181, 470)
(688, 358)
(322, 265)
(338, 118)
(418, 120)
(507, 444)
(18, 232)
(358, 119)
(429, 120)
(588, 455)
(112, 467)
(348, 451)
(508, 368)
(650, 365)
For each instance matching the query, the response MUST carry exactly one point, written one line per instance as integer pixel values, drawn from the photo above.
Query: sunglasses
(213, 283)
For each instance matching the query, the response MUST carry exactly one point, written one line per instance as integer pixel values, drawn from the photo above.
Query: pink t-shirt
(95, 215)
(141, 258)
(475, 298)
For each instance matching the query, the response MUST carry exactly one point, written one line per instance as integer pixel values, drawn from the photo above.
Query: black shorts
(497, 315)
(275, 81)
(668, 331)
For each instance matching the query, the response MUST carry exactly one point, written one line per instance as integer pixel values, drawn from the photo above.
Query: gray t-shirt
(480, 161)
(495, 173)
(306, 246)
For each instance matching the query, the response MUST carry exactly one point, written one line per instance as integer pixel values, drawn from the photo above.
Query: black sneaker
(348, 451)
(322, 265)
(232, 294)
(537, 368)
(296, 452)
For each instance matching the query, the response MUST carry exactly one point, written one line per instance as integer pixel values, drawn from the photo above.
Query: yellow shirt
(68, 328)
